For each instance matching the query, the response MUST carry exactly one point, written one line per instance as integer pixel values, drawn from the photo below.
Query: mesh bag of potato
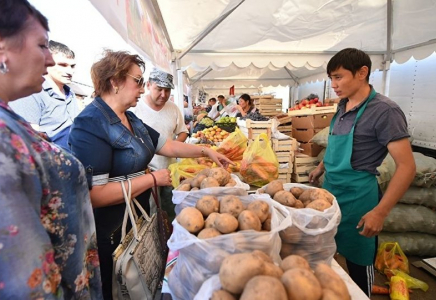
(203, 242)
(314, 215)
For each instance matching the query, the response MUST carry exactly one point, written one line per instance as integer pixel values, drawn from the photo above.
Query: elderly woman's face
(27, 64)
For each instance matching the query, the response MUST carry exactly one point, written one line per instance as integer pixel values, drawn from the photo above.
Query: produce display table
(355, 292)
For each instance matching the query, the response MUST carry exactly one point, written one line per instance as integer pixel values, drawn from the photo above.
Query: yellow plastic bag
(390, 256)
(398, 289)
(412, 283)
(234, 145)
(259, 164)
(186, 168)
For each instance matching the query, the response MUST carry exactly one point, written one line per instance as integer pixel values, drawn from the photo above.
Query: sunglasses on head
(139, 81)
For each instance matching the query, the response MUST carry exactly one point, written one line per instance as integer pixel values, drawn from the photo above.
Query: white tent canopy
(244, 40)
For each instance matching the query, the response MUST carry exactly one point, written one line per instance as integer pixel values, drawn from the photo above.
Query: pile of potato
(207, 178)
(318, 199)
(254, 276)
(212, 217)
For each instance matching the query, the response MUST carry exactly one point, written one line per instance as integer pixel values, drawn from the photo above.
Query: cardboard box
(304, 135)
(312, 121)
(310, 149)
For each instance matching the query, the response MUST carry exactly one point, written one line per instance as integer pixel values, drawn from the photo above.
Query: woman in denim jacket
(113, 145)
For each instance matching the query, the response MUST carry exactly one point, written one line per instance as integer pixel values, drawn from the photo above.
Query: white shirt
(168, 121)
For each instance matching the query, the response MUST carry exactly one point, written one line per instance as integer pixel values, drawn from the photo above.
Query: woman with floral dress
(48, 246)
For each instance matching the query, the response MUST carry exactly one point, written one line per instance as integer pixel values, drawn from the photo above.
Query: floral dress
(47, 232)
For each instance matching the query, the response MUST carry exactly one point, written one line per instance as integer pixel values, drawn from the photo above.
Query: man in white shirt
(166, 118)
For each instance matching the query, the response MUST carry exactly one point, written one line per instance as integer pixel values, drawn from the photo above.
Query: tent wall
(412, 86)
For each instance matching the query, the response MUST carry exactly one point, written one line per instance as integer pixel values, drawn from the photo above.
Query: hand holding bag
(138, 260)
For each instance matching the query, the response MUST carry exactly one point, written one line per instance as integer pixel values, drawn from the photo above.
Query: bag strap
(130, 212)
(154, 191)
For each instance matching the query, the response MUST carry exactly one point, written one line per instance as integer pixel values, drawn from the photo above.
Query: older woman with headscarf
(47, 232)
(115, 145)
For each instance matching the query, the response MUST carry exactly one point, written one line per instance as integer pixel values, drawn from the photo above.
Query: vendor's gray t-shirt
(382, 122)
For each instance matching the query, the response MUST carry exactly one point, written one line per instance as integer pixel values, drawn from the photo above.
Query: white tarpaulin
(274, 34)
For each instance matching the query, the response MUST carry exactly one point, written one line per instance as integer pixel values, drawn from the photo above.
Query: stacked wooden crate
(284, 150)
(267, 105)
(252, 129)
(303, 165)
(285, 124)
(308, 122)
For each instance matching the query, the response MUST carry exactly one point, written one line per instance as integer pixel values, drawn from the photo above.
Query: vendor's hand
(239, 108)
(163, 177)
(220, 159)
(372, 223)
(315, 175)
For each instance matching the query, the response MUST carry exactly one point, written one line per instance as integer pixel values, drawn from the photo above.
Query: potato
(248, 220)
(231, 183)
(222, 295)
(204, 172)
(237, 269)
(209, 182)
(260, 208)
(267, 224)
(195, 189)
(226, 223)
(296, 191)
(221, 175)
(187, 181)
(299, 204)
(319, 204)
(305, 197)
(273, 187)
(232, 205)
(329, 295)
(329, 279)
(264, 287)
(291, 234)
(196, 181)
(294, 261)
(207, 205)
(322, 193)
(285, 198)
(184, 187)
(261, 191)
(272, 270)
(209, 223)
(191, 219)
(286, 250)
(262, 255)
(301, 284)
(208, 233)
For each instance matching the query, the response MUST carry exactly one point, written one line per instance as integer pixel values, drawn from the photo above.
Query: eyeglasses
(139, 81)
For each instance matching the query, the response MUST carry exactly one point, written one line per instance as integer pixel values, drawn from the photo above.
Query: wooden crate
(314, 110)
(254, 124)
(300, 178)
(268, 101)
(285, 120)
(252, 133)
(282, 128)
(270, 113)
(254, 97)
(286, 158)
(284, 145)
(284, 176)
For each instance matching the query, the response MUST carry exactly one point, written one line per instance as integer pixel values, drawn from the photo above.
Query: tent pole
(201, 75)
(294, 78)
(178, 84)
(211, 27)
(388, 56)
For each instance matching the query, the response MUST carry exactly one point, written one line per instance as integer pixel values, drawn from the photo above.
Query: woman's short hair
(114, 65)
(247, 98)
(16, 16)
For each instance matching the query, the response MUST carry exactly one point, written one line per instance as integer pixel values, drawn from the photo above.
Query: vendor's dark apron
(356, 192)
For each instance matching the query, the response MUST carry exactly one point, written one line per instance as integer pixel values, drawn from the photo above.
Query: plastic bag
(398, 289)
(234, 145)
(259, 164)
(311, 233)
(412, 283)
(200, 259)
(186, 168)
(390, 256)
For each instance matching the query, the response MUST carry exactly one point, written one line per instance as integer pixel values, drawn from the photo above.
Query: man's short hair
(221, 97)
(350, 59)
(56, 47)
(212, 99)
